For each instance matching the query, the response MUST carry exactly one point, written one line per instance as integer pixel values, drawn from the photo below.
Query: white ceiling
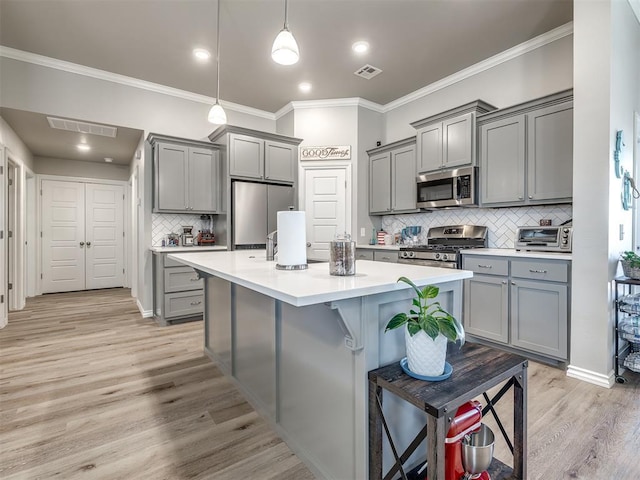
(414, 42)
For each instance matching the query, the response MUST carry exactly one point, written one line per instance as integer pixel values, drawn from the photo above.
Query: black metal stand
(629, 282)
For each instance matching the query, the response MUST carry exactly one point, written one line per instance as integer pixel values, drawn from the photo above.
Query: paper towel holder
(302, 266)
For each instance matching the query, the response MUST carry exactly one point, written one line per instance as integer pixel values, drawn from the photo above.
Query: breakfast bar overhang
(300, 344)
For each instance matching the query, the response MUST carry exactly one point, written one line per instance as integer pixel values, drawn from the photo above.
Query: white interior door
(4, 301)
(326, 208)
(63, 239)
(104, 207)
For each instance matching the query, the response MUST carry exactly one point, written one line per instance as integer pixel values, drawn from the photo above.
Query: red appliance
(467, 419)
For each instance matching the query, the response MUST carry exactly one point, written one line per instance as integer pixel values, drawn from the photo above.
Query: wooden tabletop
(476, 369)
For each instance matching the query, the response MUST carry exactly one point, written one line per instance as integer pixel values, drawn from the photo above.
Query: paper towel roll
(292, 238)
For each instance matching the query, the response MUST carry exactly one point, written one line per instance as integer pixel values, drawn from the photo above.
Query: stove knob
(445, 256)
(412, 254)
(437, 256)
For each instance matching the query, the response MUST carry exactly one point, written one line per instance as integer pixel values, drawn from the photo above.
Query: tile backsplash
(163, 223)
(502, 222)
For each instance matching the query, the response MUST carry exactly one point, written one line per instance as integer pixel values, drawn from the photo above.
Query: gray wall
(606, 93)
(15, 145)
(76, 168)
(545, 70)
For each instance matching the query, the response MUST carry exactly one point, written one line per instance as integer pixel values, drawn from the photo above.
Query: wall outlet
(363, 232)
(545, 222)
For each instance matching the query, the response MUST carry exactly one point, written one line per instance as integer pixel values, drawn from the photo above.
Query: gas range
(443, 246)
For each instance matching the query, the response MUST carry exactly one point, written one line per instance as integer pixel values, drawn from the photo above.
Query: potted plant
(428, 327)
(630, 264)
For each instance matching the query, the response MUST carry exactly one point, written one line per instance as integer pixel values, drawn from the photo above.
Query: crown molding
(514, 52)
(328, 103)
(74, 68)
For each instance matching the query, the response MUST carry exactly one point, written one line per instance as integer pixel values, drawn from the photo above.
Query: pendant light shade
(285, 49)
(216, 114)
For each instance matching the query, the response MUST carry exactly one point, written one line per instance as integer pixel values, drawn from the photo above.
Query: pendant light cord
(218, 55)
(286, 15)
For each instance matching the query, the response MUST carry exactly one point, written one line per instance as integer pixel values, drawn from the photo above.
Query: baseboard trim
(599, 379)
(143, 312)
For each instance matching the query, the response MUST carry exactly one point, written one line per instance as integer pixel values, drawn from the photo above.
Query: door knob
(82, 244)
(88, 244)
(308, 244)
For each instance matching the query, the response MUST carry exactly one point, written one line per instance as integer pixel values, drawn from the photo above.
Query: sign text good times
(340, 152)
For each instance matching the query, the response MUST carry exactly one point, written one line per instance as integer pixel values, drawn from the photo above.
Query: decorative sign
(341, 152)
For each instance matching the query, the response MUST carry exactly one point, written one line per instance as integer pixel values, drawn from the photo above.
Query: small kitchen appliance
(544, 239)
(450, 188)
(443, 246)
(187, 236)
(205, 237)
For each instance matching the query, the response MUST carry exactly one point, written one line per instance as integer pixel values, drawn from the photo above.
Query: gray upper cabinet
(186, 175)
(447, 140)
(502, 160)
(262, 159)
(526, 152)
(550, 153)
(246, 156)
(392, 178)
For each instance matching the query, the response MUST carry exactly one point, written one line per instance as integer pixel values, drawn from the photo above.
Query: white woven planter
(424, 355)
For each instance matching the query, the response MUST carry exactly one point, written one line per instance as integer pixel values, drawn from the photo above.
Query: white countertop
(378, 247)
(195, 248)
(249, 268)
(510, 252)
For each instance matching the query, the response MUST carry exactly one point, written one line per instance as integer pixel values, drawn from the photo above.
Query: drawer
(171, 263)
(178, 279)
(540, 270)
(364, 254)
(486, 265)
(391, 257)
(183, 303)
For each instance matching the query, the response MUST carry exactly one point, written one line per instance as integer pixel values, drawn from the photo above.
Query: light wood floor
(90, 390)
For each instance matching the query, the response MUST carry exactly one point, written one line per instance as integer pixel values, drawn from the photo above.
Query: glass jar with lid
(342, 256)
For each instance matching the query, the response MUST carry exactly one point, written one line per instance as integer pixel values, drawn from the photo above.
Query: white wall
(14, 144)
(606, 92)
(75, 168)
(545, 70)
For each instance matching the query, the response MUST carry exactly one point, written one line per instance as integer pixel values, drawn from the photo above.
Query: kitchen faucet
(272, 245)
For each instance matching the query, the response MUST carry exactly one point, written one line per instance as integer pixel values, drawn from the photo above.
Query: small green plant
(427, 316)
(631, 258)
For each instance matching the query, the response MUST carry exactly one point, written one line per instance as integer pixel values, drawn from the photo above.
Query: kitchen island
(299, 344)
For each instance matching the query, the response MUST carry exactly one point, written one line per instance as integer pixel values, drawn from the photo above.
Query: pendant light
(285, 49)
(216, 114)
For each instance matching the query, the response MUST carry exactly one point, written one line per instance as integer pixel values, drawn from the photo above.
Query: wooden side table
(476, 369)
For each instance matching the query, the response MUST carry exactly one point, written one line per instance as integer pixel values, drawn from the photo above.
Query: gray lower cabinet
(522, 303)
(186, 175)
(377, 255)
(526, 152)
(178, 291)
(392, 179)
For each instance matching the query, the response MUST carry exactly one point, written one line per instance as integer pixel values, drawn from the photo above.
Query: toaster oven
(544, 239)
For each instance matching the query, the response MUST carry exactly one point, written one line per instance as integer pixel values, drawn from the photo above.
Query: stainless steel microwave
(544, 239)
(450, 188)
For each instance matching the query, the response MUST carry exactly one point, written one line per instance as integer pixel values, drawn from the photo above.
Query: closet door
(63, 240)
(104, 236)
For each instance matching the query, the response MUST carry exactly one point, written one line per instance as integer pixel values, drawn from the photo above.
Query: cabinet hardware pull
(195, 303)
(485, 266)
(504, 282)
(537, 271)
(194, 279)
(513, 283)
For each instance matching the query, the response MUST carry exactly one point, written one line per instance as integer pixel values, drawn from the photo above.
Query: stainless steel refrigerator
(254, 209)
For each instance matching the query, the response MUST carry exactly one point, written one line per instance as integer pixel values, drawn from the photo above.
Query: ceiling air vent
(82, 127)
(368, 72)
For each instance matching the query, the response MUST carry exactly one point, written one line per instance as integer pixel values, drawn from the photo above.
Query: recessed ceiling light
(83, 147)
(201, 54)
(360, 47)
(305, 87)
(108, 159)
